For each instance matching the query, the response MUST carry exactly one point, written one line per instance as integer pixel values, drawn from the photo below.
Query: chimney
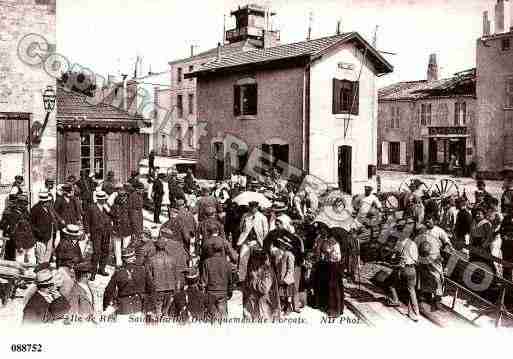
(503, 16)
(218, 59)
(432, 71)
(338, 27)
(124, 99)
(192, 50)
(486, 24)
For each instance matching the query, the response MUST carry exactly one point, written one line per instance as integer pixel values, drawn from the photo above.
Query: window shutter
(464, 113)
(402, 153)
(236, 100)
(456, 113)
(336, 96)
(384, 153)
(113, 155)
(355, 100)
(72, 154)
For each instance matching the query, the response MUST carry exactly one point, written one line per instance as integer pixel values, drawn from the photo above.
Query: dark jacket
(98, 222)
(157, 191)
(87, 187)
(191, 303)
(217, 277)
(43, 223)
(67, 253)
(188, 223)
(128, 289)
(144, 250)
(23, 236)
(506, 201)
(174, 230)
(202, 205)
(120, 213)
(463, 223)
(68, 210)
(203, 225)
(164, 272)
(209, 243)
(507, 227)
(38, 310)
(175, 192)
(135, 212)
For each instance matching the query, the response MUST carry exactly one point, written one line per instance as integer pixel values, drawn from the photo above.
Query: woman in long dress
(260, 298)
(327, 276)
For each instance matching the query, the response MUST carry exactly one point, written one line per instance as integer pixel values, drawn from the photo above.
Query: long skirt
(329, 288)
(430, 278)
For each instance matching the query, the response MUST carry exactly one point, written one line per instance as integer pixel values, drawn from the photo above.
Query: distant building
(303, 103)
(495, 93)
(21, 94)
(427, 124)
(180, 134)
(96, 138)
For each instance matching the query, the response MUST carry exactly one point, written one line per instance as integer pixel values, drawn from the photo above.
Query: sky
(107, 35)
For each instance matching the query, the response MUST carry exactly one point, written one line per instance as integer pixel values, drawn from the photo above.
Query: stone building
(425, 125)
(23, 80)
(495, 93)
(311, 104)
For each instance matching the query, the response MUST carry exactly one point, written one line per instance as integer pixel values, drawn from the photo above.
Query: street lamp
(36, 131)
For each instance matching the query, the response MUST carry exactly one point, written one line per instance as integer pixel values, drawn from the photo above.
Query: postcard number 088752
(24, 348)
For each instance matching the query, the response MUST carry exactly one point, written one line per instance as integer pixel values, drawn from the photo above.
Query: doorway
(219, 155)
(418, 155)
(344, 168)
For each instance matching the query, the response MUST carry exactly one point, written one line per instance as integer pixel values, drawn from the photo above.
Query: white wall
(327, 130)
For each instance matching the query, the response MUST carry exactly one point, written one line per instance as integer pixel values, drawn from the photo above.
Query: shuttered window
(460, 113)
(92, 154)
(425, 114)
(179, 106)
(245, 99)
(345, 97)
(395, 117)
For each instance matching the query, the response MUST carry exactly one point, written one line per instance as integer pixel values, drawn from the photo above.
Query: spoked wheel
(390, 201)
(445, 187)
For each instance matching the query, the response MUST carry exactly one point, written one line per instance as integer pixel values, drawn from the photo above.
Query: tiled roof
(75, 107)
(227, 49)
(462, 83)
(309, 48)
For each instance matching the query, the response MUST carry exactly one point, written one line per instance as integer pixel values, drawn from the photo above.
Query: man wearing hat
(86, 186)
(217, 279)
(50, 188)
(189, 226)
(81, 297)
(16, 187)
(204, 202)
(191, 302)
(175, 191)
(166, 275)
(47, 304)
(67, 207)
(213, 237)
(129, 288)
(45, 223)
(254, 227)
(108, 184)
(99, 227)
(122, 231)
(210, 219)
(507, 196)
(135, 209)
(482, 196)
(22, 234)
(157, 195)
(68, 250)
(463, 225)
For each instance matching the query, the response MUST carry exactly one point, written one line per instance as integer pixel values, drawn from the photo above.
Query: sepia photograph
(281, 164)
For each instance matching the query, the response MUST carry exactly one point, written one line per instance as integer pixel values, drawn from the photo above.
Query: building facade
(495, 94)
(428, 125)
(311, 105)
(96, 138)
(21, 94)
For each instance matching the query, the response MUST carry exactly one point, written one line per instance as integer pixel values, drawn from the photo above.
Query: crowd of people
(271, 247)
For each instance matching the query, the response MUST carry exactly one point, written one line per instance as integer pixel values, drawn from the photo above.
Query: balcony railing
(234, 34)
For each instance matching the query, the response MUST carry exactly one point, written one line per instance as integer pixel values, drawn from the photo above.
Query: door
(219, 163)
(344, 168)
(418, 155)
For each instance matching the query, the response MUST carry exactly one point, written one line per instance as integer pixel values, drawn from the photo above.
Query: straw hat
(72, 230)
(44, 196)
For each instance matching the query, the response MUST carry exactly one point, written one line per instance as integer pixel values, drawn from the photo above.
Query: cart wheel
(390, 201)
(444, 188)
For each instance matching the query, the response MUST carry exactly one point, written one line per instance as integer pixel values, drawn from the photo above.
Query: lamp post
(36, 131)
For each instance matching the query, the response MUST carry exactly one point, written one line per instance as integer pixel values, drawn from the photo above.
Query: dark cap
(66, 187)
(18, 178)
(253, 204)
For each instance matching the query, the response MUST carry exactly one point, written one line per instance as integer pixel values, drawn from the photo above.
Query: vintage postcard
(338, 164)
